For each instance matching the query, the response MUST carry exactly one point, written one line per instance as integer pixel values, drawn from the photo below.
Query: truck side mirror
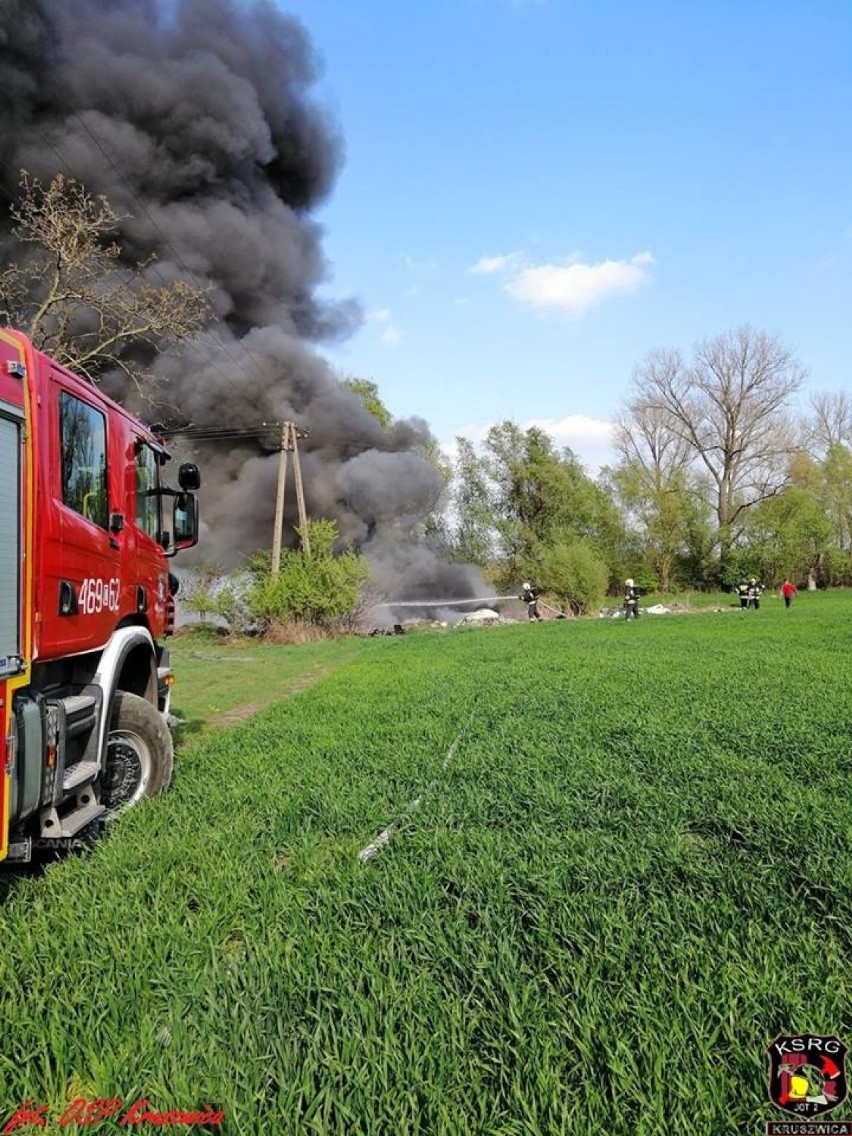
(188, 476)
(185, 520)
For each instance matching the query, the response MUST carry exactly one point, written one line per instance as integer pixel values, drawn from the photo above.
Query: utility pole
(279, 500)
(290, 435)
(288, 444)
(300, 496)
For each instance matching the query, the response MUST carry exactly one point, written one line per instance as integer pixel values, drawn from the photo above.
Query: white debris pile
(483, 617)
(658, 609)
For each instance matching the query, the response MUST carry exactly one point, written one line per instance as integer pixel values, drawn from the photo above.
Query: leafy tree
(828, 482)
(540, 497)
(836, 494)
(695, 564)
(788, 535)
(74, 295)
(471, 535)
(368, 392)
(574, 573)
(521, 496)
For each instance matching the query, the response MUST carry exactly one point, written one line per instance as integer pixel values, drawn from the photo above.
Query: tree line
(714, 478)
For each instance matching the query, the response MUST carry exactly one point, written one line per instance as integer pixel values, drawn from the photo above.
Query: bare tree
(652, 476)
(831, 421)
(644, 435)
(728, 407)
(75, 297)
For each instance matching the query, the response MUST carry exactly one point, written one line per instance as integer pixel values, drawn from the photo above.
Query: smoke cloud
(197, 120)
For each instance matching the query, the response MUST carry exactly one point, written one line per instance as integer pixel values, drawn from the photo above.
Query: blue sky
(537, 192)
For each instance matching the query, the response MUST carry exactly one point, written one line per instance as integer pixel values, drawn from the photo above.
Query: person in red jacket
(788, 590)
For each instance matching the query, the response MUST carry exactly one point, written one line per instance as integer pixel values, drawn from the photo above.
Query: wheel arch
(128, 662)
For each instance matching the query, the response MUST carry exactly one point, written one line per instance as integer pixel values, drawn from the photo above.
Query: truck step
(79, 774)
(80, 714)
(73, 822)
(74, 703)
(59, 828)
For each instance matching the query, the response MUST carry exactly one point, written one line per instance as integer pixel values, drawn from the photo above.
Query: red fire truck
(86, 526)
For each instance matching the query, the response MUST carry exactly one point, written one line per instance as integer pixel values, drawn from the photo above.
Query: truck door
(83, 594)
(151, 574)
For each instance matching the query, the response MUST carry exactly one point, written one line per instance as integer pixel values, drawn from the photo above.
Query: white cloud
(390, 334)
(575, 287)
(589, 438)
(487, 264)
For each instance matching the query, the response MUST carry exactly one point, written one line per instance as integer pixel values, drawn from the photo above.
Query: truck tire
(140, 754)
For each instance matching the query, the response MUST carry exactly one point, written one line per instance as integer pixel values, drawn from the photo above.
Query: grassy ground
(629, 869)
(221, 683)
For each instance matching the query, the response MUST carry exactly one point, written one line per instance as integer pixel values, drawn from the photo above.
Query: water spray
(442, 603)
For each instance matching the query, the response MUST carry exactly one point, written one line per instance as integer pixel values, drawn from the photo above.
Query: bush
(313, 589)
(575, 575)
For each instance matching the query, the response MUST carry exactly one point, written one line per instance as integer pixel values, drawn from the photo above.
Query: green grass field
(629, 869)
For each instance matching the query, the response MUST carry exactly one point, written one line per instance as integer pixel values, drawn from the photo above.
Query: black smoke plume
(196, 119)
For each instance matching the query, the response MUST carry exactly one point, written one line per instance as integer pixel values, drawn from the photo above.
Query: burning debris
(197, 120)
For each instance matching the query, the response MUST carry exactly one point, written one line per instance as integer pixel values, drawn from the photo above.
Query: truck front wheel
(140, 755)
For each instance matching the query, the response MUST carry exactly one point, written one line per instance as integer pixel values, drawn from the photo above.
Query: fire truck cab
(86, 527)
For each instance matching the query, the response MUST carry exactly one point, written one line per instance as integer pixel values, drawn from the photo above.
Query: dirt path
(238, 714)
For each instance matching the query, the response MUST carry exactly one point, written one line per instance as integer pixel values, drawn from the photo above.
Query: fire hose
(458, 603)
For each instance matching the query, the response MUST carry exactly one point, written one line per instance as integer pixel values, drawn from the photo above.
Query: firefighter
(742, 592)
(529, 595)
(754, 592)
(631, 600)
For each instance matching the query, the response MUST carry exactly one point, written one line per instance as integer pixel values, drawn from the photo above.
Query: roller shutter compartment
(10, 544)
